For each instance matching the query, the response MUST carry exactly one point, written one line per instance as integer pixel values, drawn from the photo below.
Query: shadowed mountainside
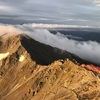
(82, 35)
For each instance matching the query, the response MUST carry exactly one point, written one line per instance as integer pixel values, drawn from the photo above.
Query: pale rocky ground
(3, 55)
(21, 78)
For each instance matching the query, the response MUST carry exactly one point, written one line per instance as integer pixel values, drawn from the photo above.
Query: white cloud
(97, 2)
(34, 25)
(98, 5)
(5, 9)
(87, 50)
(8, 29)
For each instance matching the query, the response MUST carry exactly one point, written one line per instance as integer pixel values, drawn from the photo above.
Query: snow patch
(21, 58)
(3, 55)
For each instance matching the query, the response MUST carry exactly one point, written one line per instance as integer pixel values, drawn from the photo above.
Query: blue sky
(71, 12)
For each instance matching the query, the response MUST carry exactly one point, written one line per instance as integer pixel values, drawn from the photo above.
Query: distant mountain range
(82, 35)
(30, 70)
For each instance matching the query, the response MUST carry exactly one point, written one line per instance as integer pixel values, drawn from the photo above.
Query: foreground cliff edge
(30, 70)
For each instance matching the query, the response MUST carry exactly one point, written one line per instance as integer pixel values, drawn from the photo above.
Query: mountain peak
(32, 70)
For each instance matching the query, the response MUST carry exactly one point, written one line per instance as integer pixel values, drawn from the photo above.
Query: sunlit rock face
(34, 71)
(92, 67)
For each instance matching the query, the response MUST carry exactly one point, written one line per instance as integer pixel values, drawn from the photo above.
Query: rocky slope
(28, 71)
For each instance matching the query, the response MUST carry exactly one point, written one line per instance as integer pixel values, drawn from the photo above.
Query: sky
(70, 12)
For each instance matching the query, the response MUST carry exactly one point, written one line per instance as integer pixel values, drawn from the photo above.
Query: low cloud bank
(9, 29)
(87, 50)
(50, 26)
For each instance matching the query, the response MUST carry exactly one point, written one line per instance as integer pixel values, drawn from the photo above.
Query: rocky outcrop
(91, 67)
(59, 80)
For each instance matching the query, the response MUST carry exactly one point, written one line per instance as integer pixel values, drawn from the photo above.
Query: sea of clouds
(89, 50)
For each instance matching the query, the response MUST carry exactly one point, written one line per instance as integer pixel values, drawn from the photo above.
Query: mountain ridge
(23, 78)
(29, 44)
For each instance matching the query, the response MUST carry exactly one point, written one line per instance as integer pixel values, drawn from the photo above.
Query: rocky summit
(30, 70)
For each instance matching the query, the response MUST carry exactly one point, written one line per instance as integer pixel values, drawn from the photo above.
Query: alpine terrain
(30, 70)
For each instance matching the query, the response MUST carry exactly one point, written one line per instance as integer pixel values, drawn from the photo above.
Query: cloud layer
(97, 2)
(80, 12)
(50, 26)
(87, 50)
